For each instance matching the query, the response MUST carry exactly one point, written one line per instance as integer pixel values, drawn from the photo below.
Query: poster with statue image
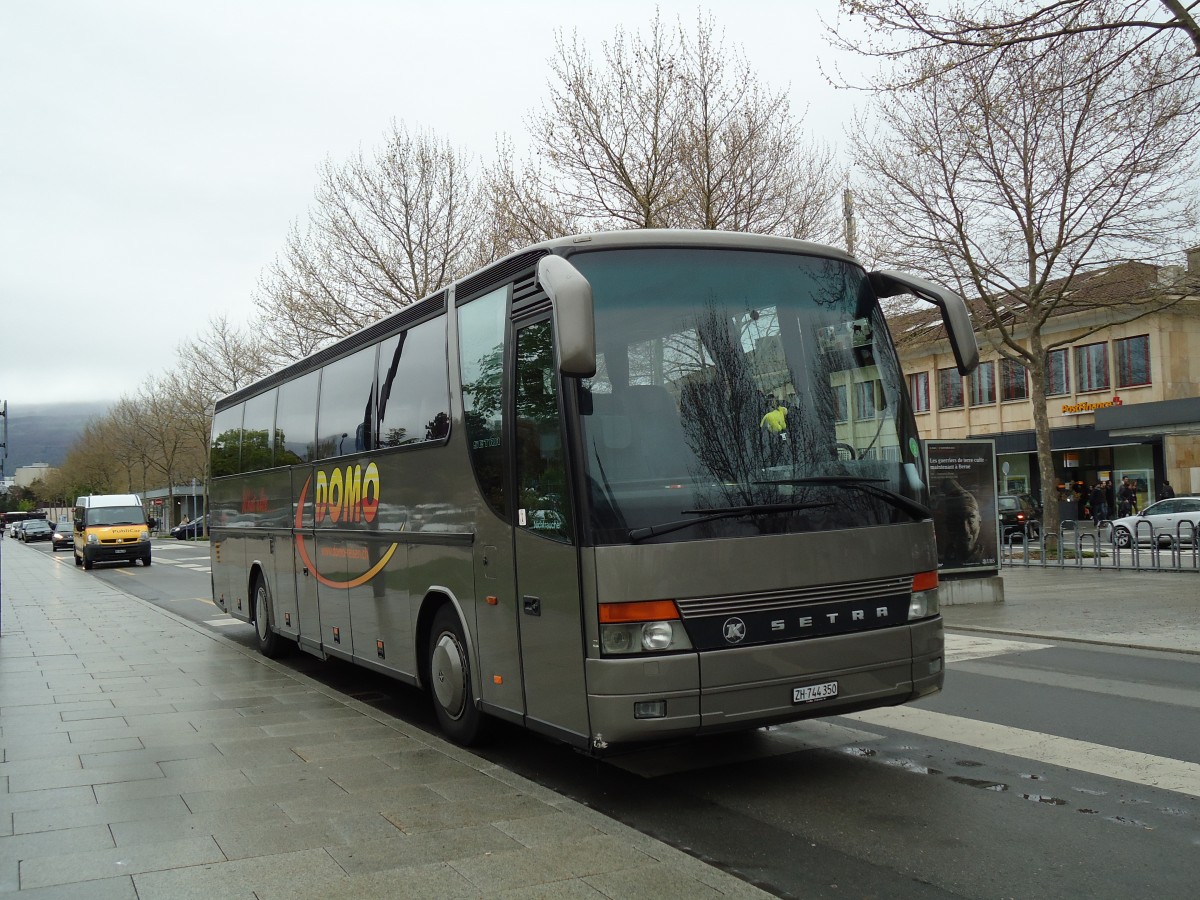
(962, 493)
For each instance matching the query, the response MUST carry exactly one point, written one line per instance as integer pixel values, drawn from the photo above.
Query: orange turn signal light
(639, 611)
(925, 581)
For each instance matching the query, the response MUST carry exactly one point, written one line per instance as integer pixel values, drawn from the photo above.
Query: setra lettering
(856, 615)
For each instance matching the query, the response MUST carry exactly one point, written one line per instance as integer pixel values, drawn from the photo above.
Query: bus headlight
(657, 635)
(924, 602)
(93, 539)
(144, 536)
(641, 627)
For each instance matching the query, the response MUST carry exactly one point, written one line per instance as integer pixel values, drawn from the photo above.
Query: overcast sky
(154, 152)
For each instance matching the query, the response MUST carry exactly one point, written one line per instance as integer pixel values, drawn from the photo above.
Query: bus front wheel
(450, 680)
(270, 644)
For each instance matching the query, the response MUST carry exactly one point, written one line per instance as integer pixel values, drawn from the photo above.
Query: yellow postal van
(110, 528)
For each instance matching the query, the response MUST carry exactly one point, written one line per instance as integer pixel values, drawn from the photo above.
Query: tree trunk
(1041, 429)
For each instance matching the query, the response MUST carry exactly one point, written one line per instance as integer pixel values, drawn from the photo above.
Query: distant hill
(42, 432)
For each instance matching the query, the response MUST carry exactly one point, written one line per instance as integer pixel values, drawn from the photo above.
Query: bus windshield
(741, 392)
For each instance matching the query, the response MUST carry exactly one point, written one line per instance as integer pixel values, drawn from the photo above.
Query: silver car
(1166, 522)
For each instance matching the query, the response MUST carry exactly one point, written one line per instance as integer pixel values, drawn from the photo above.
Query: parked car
(194, 529)
(1018, 515)
(1162, 520)
(36, 530)
(64, 535)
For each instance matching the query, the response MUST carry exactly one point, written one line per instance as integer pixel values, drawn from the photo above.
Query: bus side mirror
(954, 312)
(574, 320)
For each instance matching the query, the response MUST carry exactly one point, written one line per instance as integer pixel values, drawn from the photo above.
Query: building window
(918, 391)
(982, 384)
(841, 403)
(950, 392)
(1014, 385)
(1091, 367)
(1133, 360)
(864, 399)
(1058, 376)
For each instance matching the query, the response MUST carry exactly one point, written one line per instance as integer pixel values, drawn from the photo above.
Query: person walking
(1096, 501)
(1126, 498)
(1167, 491)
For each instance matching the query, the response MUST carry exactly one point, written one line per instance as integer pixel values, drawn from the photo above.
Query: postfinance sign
(343, 496)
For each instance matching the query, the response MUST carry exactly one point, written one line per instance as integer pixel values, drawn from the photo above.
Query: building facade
(1122, 387)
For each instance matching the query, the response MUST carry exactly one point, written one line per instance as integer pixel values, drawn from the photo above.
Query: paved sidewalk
(144, 757)
(1149, 610)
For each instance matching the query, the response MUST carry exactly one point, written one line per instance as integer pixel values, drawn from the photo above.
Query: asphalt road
(1044, 769)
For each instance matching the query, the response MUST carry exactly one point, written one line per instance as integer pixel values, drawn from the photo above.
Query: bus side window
(481, 363)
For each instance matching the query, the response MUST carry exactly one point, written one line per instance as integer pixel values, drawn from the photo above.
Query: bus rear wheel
(450, 681)
(270, 644)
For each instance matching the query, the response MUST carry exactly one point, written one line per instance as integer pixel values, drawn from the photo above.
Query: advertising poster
(962, 494)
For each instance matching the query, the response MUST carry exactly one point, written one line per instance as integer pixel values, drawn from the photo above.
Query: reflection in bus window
(541, 463)
(414, 393)
(295, 420)
(345, 419)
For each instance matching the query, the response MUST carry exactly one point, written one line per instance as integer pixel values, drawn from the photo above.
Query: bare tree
(222, 359)
(609, 135)
(519, 209)
(897, 29)
(743, 163)
(385, 231)
(1014, 176)
(675, 130)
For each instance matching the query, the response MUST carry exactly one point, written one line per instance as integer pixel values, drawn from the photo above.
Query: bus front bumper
(745, 688)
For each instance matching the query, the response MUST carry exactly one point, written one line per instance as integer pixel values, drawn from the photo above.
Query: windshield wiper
(709, 515)
(866, 485)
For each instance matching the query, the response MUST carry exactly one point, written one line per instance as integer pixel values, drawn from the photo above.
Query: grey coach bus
(551, 493)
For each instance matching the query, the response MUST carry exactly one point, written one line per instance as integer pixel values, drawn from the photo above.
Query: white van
(110, 528)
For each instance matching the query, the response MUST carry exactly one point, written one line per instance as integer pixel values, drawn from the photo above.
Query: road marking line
(221, 623)
(961, 647)
(1082, 756)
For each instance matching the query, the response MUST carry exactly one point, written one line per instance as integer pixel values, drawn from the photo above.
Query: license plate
(814, 692)
(118, 551)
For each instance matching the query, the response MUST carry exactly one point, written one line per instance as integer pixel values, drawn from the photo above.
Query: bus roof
(517, 262)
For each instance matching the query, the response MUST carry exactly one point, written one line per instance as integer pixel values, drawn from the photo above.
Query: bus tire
(269, 643)
(450, 680)
(75, 556)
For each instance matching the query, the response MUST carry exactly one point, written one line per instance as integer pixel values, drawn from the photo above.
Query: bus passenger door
(545, 551)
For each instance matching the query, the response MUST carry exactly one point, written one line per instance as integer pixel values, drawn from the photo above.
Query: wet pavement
(145, 756)
(1126, 608)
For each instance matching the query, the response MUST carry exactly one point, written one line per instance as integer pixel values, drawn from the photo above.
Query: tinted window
(226, 441)
(414, 390)
(544, 500)
(481, 336)
(295, 421)
(345, 420)
(257, 427)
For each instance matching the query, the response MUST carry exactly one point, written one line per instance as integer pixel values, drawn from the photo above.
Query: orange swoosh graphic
(303, 551)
